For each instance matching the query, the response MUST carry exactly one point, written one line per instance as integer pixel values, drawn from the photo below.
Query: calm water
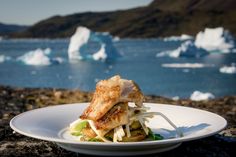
(138, 62)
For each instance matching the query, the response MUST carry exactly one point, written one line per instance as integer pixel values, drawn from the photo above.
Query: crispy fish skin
(104, 98)
(115, 117)
(108, 93)
(131, 93)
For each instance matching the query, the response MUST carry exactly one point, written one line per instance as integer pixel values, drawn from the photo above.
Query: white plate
(50, 124)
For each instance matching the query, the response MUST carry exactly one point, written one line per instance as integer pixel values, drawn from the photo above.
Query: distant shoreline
(159, 19)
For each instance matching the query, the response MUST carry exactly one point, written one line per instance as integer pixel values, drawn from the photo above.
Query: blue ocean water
(138, 62)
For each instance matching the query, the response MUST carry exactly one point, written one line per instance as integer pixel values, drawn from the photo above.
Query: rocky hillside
(160, 18)
(6, 29)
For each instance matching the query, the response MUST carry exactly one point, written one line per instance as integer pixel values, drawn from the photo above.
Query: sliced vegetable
(78, 127)
(135, 125)
(76, 133)
(136, 135)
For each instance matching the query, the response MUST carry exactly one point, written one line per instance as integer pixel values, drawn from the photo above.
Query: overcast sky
(28, 12)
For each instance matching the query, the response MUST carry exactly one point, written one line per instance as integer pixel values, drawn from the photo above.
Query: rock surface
(16, 100)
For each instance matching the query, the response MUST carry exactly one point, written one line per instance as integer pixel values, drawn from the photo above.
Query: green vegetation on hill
(160, 18)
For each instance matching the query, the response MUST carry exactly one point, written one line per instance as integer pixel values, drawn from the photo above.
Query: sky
(28, 12)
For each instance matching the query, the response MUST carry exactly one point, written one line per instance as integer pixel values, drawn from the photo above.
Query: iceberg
(36, 57)
(228, 69)
(214, 39)
(100, 55)
(207, 41)
(77, 40)
(116, 38)
(83, 36)
(184, 65)
(4, 58)
(199, 96)
(176, 98)
(186, 49)
(178, 38)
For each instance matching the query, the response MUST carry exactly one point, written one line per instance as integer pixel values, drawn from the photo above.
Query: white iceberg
(175, 98)
(214, 39)
(116, 38)
(228, 69)
(186, 49)
(178, 38)
(83, 36)
(184, 65)
(199, 96)
(207, 41)
(78, 39)
(38, 57)
(100, 55)
(4, 58)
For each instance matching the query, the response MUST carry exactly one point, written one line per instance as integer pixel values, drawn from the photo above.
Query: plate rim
(159, 142)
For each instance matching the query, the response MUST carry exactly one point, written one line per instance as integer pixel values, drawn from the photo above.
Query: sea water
(138, 61)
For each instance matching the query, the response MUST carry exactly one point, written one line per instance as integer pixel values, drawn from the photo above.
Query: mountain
(158, 19)
(6, 29)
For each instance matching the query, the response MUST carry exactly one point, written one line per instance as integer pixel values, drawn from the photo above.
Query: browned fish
(110, 92)
(116, 116)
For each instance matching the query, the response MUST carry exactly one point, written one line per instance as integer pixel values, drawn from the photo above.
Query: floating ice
(207, 41)
(214, 39)
(36, 57)
(184, 65)
(4, 58)
(199, 96)
(77, 40)
(116, 38)
(178, 38)
(83, 36)
(228, 69)
(175, 98)
(100, 55)
(186, 49)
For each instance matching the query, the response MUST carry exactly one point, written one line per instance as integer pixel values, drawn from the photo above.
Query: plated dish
(110, 118)
(134, 127)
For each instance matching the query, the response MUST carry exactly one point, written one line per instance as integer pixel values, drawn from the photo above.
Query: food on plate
(110, 117)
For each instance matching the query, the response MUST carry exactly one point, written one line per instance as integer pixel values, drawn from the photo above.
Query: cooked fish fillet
(88, 132)
(116, 116)
(110, 92)
(113, 118)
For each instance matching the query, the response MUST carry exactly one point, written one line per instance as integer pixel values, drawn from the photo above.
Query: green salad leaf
(154, 136)
(76, 131)
(95, 140)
